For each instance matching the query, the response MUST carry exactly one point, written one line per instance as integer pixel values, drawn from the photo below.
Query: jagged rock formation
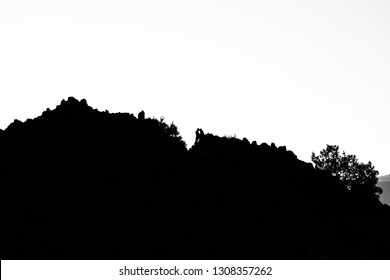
(77, 183)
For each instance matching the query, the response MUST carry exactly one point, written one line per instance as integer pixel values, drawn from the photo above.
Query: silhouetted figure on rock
(199, 134)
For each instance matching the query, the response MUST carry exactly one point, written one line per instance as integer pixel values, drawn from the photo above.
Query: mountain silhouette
(77, 183)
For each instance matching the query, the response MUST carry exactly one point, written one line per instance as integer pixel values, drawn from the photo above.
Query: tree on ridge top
(356, 176)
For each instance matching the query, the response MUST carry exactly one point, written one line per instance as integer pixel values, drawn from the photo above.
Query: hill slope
(81, 184)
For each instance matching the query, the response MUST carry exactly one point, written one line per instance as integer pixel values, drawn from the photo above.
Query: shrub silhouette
(76, 183)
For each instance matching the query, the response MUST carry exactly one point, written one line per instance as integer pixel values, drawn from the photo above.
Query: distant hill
(384, 183)
(76, 183)
(385, 178)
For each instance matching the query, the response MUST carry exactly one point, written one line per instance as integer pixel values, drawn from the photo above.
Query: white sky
(298, 73)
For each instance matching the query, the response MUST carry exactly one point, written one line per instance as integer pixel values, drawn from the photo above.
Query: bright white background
(281, 270)
(298, 73)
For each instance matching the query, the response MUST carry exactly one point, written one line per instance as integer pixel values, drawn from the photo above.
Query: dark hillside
(77, 183)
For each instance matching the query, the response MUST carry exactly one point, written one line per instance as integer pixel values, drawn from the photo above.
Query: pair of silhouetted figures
(199, 134)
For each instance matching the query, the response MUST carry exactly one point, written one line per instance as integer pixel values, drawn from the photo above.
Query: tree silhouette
(356, 176)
